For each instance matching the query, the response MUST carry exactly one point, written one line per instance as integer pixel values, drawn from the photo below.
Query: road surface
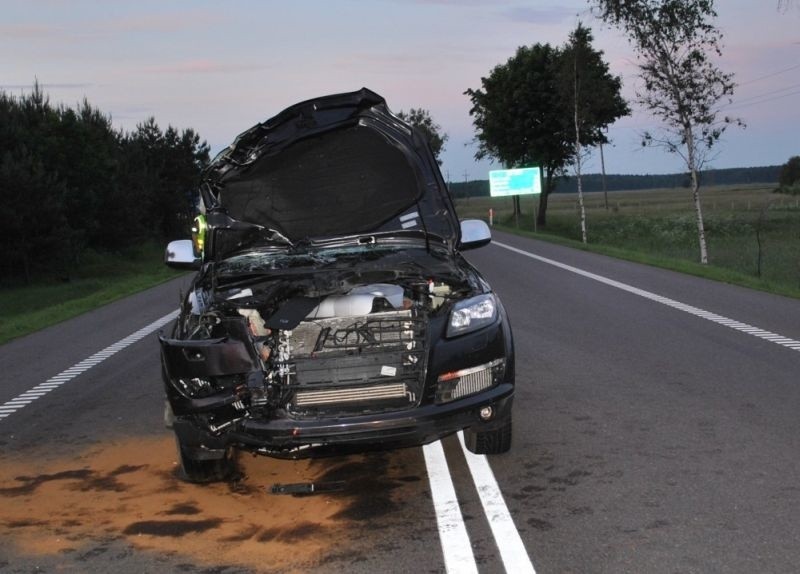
(656, 430)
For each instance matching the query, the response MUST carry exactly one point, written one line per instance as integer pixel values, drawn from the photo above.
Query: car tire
(492, 441)
(206, 469)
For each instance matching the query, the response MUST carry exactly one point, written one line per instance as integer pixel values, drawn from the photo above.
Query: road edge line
(456, 546)
(512, 550)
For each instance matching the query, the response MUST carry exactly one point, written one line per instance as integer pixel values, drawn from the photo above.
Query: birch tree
(676, 43)
(593, 96)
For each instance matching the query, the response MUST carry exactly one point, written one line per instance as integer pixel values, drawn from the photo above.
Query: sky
(221, 67)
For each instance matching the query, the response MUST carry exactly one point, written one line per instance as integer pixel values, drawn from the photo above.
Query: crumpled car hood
(339, 165)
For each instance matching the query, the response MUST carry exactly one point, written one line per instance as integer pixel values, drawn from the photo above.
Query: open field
(661, 223)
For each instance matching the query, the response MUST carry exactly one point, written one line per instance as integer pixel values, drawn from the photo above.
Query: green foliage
(518, 113)
(790, 175)
(676, 41)
(523, 113)
(102, 278)
(793, 189)
(70, 182)
(598, 92)
(422, 120)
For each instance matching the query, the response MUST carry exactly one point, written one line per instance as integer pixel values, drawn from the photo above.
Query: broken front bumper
(289, 438)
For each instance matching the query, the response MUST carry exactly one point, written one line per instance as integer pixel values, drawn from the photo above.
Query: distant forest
(616, 182)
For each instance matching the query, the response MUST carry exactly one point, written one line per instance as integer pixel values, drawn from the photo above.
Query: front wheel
(204, 466)
(494, 440)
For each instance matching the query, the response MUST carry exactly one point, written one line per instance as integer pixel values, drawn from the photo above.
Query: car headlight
(472, 314)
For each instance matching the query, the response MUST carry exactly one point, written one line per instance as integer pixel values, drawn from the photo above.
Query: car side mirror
(180, 255)
(474, 233)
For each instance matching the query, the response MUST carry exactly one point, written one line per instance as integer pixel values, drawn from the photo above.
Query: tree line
(70, 182)
(593, 182)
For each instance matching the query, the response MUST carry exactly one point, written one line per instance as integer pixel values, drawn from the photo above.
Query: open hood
(339, 165)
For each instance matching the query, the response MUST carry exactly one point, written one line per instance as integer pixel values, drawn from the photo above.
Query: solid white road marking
(26, 398)
(512, 550)
(708, 315)
(456, 547)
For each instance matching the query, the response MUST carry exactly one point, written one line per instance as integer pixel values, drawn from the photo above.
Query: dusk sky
(220, 67)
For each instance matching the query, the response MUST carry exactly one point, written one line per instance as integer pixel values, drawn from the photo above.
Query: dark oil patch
(368, 491)
(71, 523)
(32, 483)
(172, 480)
(25, 523)
(184, 508)
(126, 469)
(533, 488)
(293, 534)
(300, 531)
(242, 535)
(409, 479)
(657, 524)
(106, 483)
(171, 528)
(269, 534)
(540, 524)
(581, 511)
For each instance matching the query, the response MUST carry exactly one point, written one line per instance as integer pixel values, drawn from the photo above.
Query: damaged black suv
(332, 310)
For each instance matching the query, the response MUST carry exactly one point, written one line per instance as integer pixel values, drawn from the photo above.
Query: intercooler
(376, 360)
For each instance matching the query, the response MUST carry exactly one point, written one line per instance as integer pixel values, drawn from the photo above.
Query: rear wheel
(490, 440)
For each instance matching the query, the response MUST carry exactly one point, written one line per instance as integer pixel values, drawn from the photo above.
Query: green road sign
(520, 181)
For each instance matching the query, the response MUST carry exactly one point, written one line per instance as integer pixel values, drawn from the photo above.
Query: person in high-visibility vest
(199, 227)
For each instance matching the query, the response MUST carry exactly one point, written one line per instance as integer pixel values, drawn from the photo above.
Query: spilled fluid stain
(130, 491)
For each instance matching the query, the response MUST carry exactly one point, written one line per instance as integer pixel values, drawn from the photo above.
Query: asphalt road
(652, 434)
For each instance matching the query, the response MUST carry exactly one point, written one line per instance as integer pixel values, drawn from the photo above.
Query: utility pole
(603, 172)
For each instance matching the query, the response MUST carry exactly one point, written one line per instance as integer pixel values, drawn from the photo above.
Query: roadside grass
(101, 279)
(658, 228)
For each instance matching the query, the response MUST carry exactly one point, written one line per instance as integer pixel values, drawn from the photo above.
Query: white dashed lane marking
(10, 407)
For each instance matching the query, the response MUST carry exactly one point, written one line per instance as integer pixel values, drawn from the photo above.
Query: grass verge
(101, 279)
(682, 266)
(753, 234)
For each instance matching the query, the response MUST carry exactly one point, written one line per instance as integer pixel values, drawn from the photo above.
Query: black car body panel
(333, 310)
